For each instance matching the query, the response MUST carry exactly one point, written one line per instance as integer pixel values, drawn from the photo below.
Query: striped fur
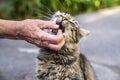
(67, 63)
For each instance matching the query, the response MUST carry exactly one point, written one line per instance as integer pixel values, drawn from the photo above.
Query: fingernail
(56, 26)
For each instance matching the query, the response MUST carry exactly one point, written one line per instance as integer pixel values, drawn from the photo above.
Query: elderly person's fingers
(36, 42)
(56, 47)
(49, 25)
(32, 31)
(45, 24)
(51, 38)
(41, 23)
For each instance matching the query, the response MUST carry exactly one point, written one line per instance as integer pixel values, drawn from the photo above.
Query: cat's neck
(66, 56)
(70, 48)
(65, 50)
(59, 57)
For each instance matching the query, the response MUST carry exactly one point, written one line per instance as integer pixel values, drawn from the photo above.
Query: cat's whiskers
(49, 11)
(43, 16)
(63, 6)
(42, 12)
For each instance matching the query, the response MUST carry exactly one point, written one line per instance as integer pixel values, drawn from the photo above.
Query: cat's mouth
(55, 31)
(61, 27)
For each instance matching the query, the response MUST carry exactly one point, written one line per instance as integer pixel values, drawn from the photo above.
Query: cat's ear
(84, 32)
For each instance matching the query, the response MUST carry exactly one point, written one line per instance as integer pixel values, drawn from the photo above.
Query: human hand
(31, 30)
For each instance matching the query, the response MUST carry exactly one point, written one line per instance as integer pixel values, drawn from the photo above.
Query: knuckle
(41, 44)
(57, 41)
(45, 43)
(52, 24)
(40, 36)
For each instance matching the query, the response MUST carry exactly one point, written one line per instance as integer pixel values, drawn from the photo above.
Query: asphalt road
(102, 47)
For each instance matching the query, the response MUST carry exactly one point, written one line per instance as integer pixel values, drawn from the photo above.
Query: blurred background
(20, 9)
(102, 46)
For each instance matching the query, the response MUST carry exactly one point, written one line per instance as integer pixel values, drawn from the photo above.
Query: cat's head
(71, 29)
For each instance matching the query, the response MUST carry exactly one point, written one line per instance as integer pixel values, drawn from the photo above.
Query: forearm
(8, 29)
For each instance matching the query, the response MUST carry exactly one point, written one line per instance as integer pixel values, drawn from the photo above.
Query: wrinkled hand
(32, 31)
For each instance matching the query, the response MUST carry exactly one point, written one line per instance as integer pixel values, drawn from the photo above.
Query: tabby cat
(67, 63)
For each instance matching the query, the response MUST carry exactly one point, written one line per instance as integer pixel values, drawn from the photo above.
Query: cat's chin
(68, 48)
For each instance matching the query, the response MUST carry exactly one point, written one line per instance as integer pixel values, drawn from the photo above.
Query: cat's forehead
(71, 19)
(62, 14)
